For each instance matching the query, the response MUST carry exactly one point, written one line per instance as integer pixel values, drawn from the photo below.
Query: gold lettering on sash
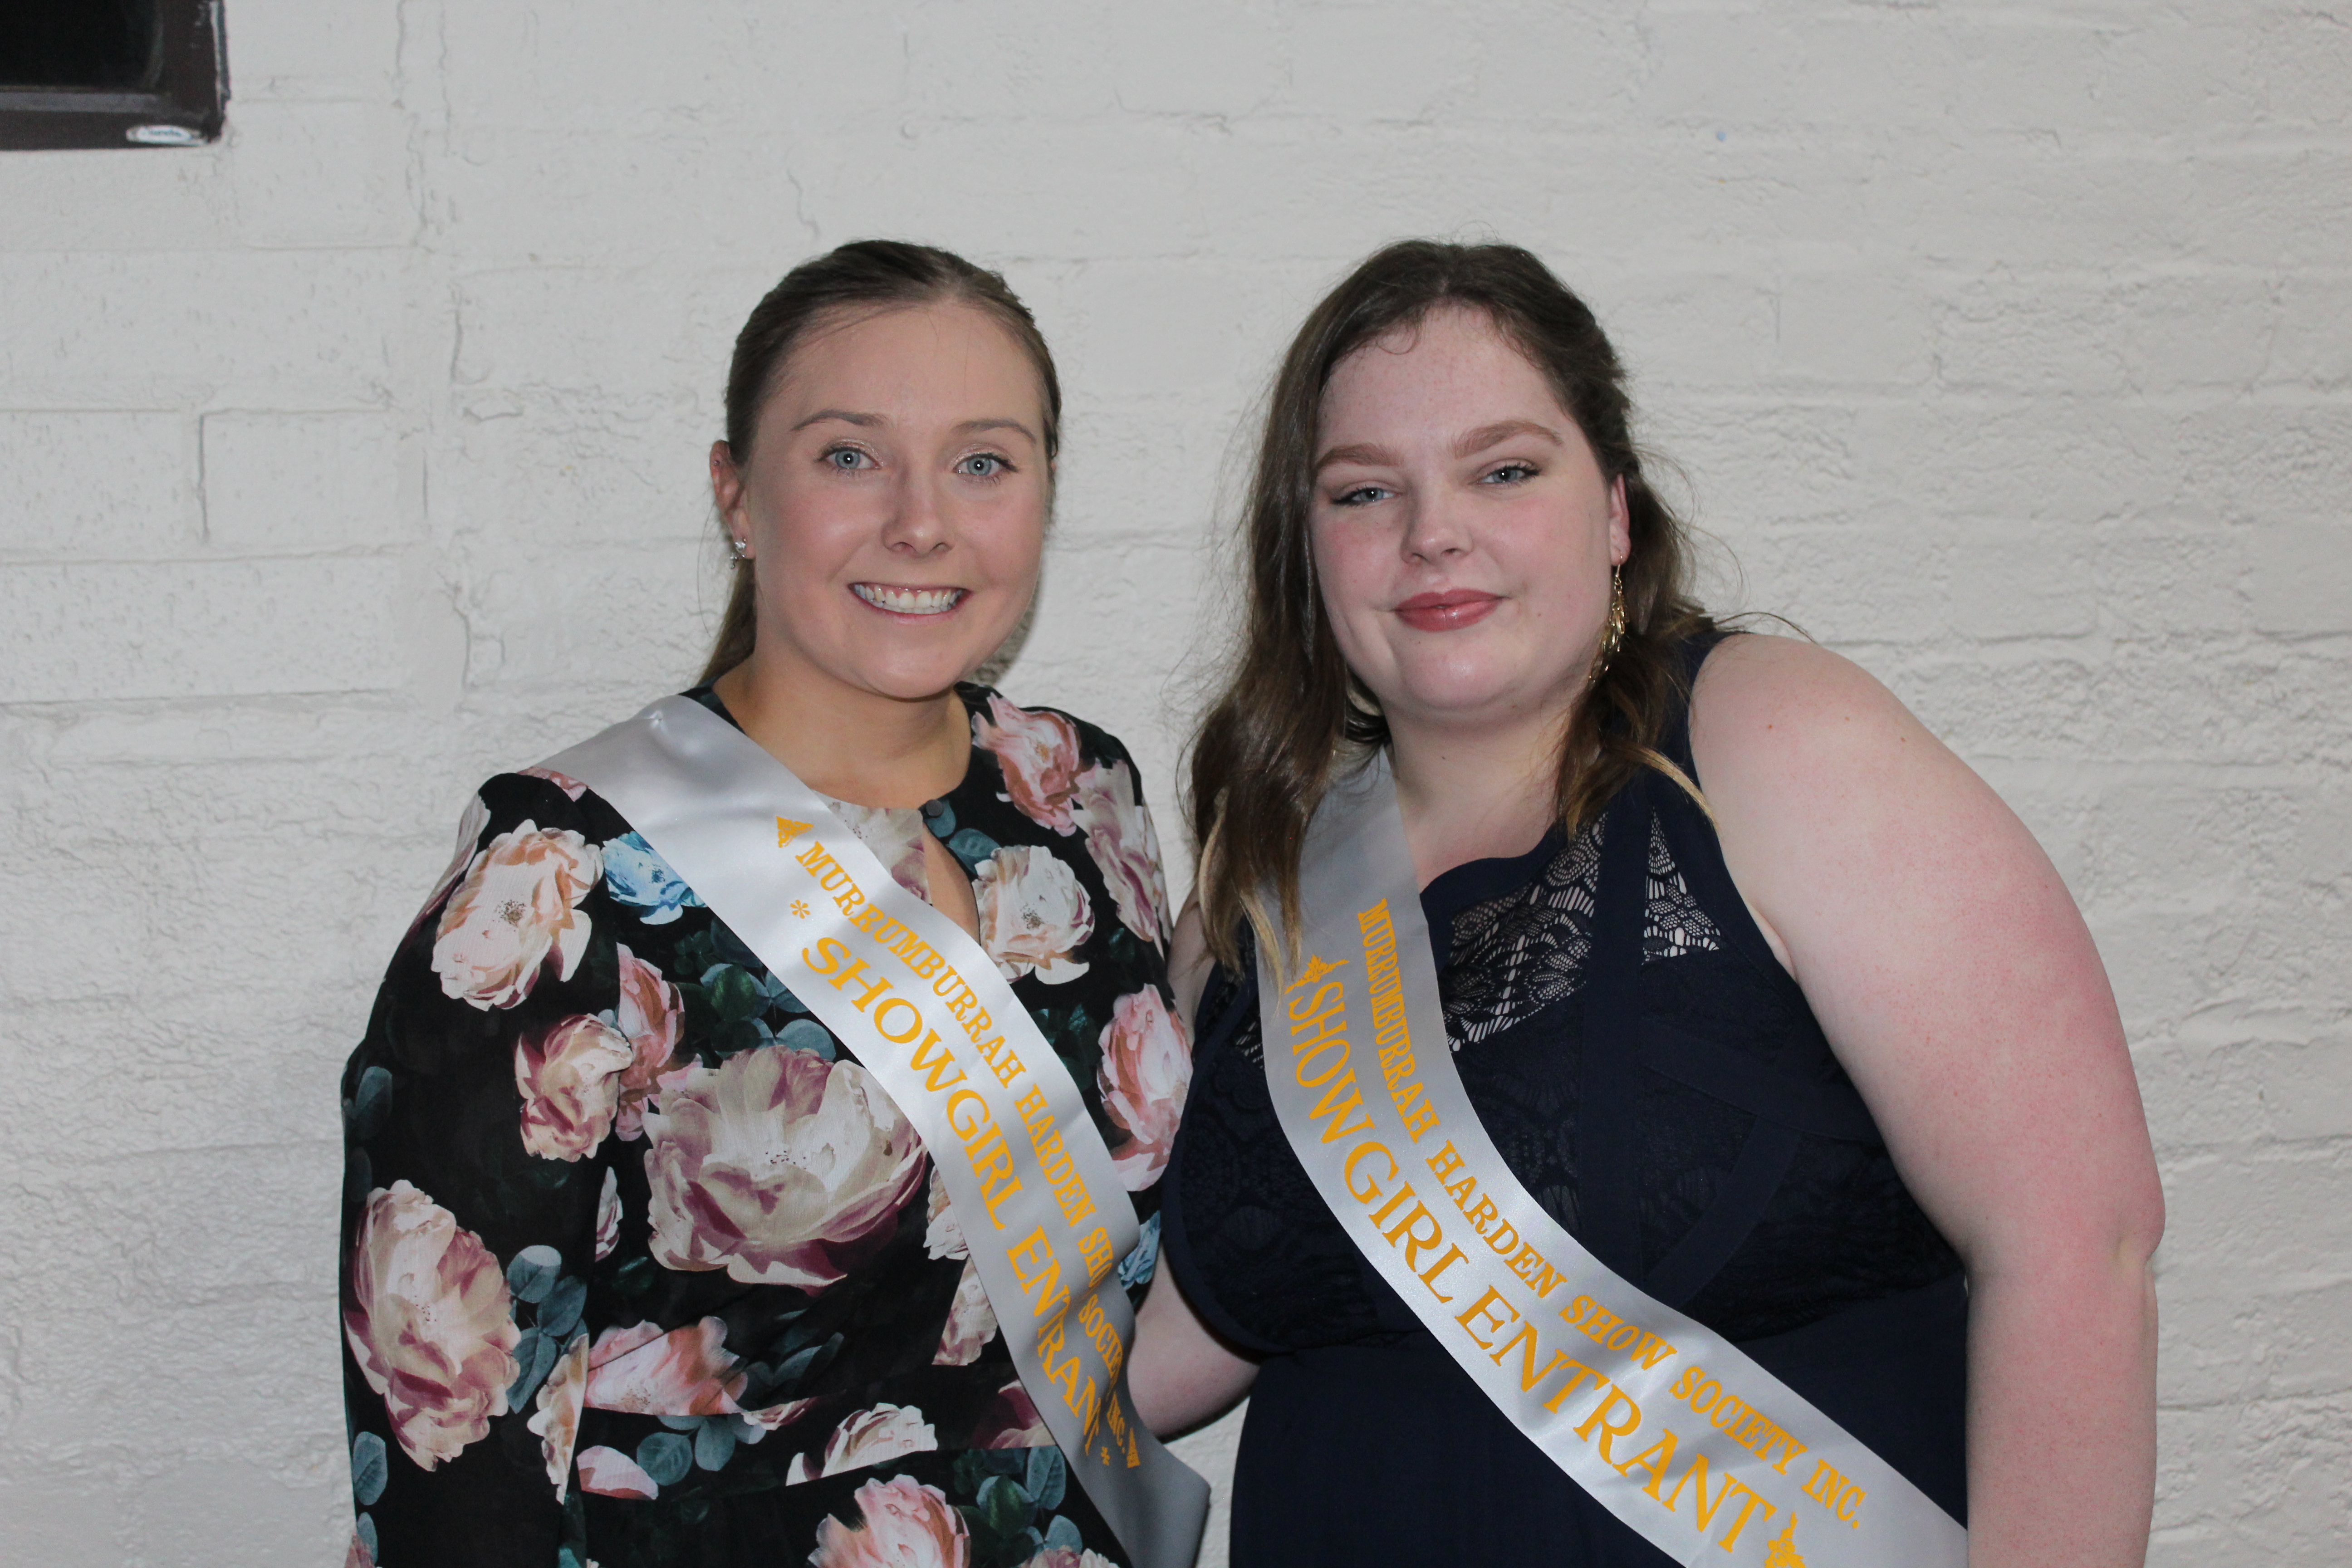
(1039, 1271)
(932, 1065)
(1094, 1248)
(1380, 1214)
(1000, 1059)
(1834, 1492)
(1348, 1171)
(1577, 1379)
(1610, 1430)
(1484, 1310)
(1342, 1103)
(984, 1147)
(1654, 1459)
(1305, 1012)
(1406, 1232)
(1338, 1109)
(1061, 1174)
(1518, 1256)
(1702, 1510)
(787, 830)
(1606, 1329)
(1738, 1420)
(1390, 1029)
(1525, 1342)
(1429, 1276)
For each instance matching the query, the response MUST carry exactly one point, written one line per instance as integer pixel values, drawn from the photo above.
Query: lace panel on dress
(1515, 955)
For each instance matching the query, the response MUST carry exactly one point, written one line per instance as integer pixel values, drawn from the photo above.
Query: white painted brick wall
(2008, 346)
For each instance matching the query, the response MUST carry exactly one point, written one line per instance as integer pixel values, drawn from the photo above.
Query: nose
(917, 525)
(1433, 529)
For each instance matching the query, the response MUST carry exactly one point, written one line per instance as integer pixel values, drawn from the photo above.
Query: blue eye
(849, 460)
(1362, 495)
(1510, 474)
(984, 465)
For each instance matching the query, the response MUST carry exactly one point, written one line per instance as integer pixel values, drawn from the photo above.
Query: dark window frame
(182, 110)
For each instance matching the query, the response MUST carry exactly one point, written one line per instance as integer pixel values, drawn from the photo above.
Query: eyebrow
(871, 421)
(1478, 440)
(846, 417)
(1363, 453)
(1015, 425)
(1487, 435)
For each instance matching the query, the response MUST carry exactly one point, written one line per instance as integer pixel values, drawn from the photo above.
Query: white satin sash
(926, 1012)
(1664, 1422)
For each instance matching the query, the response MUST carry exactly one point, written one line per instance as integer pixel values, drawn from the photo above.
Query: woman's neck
(846, 742)
(1474, 792)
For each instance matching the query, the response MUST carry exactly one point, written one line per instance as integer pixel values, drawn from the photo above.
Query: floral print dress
(640, 1266)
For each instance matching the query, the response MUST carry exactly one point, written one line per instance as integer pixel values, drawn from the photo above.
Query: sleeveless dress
(641, 1268)
(1656, 1078)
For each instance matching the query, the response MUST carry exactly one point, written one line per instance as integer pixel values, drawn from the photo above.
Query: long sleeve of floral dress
(640, 1266)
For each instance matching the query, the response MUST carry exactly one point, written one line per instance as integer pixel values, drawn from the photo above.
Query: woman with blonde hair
(1649, 1095)
(759, 1132)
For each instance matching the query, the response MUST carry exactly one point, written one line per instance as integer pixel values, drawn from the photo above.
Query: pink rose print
(430, 1323)
(776, 1417)
(570, 1082)
(1039, 754)
(1033, 915)
(906, 1525)
(608, 1472)
(942, 1233)
(469, 835)
(563, 781)
(686, 1372)
(867, 1437)
(1147, 1067)
(971, 1322)
(558, 1421)
(1012, 1421)
(358, 1555)
(653, 1017)
(517, 910)
(608, 1215)
(778, 1166)
(1068, 1557)
(894, 834)
(1120, 839)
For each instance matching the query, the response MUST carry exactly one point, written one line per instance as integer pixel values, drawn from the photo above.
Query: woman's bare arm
(1188, 962)
(1181, 1376)
(1957, 984)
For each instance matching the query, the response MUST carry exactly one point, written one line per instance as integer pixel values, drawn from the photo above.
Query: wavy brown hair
(1264, 753)
(857, 279)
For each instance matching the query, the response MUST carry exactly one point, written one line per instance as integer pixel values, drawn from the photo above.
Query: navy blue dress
(1656, 1080)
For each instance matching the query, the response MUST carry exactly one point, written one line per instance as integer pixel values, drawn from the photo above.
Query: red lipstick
(1446, 612)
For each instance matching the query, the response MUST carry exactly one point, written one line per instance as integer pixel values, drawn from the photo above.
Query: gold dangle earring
(1614, 638)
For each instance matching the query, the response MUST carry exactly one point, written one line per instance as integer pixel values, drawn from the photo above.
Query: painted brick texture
(2007, 348)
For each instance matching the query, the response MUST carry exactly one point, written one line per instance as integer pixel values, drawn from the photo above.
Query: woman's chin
(1476, 699)
(915, 679)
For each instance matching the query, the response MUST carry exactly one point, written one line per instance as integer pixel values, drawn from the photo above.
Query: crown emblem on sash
(1317, 968)
(1781, 1551)
(787, 830)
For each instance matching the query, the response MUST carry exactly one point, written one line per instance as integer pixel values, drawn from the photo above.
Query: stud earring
(742, 550)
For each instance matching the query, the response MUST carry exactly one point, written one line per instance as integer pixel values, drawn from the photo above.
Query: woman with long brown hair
(759, 1130)
(1648, 1093)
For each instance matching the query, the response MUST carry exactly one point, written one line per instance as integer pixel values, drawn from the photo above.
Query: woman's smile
(1446, 612)
(892, 599)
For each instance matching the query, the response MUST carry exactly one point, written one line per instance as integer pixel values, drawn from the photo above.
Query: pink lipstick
(1446, 612)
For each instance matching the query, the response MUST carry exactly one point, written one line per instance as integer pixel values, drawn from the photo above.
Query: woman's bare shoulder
(1793, 699)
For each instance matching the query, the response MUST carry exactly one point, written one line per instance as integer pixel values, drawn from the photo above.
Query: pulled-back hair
(862, 277)
(1266, 752)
